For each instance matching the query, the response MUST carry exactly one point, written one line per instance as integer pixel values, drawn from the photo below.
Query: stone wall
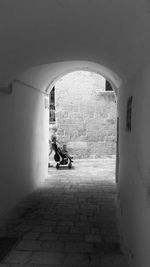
(86, 115)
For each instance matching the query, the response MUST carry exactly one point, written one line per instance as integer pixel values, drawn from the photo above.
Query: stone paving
(70, 221)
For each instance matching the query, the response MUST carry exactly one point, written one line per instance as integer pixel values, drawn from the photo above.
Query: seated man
(64, 151)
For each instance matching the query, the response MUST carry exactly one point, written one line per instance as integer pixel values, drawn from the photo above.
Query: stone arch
(45, 76)
(114, 79)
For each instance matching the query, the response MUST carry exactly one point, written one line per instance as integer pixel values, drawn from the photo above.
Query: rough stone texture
(78, 205)
(86, 115)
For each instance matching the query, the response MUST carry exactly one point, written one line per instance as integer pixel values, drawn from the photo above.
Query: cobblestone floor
(69, 222)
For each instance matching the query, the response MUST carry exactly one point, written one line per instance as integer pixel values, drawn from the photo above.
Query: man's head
(64, 147)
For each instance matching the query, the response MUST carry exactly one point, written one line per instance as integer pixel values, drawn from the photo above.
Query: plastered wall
(23, 142)
(134, 178)
(115, 33)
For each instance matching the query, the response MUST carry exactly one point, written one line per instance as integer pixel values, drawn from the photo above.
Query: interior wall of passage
(134, 170)
(23, 138)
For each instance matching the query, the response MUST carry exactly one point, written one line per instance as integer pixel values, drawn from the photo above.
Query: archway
(42, 78)
(83, 108)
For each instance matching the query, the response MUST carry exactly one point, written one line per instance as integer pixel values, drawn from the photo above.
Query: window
(108, 86)
(52, 106)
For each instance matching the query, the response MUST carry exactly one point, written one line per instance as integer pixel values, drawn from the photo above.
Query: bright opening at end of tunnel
(82, 118)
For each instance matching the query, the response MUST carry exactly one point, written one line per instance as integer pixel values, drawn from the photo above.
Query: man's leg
(51, 150)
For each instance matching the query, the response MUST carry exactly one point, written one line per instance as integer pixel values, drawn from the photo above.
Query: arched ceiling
(44, 77)
(114, 33)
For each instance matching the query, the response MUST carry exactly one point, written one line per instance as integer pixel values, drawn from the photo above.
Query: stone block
(29, 245)
(80, 229)
(42, 228)
(20, 257)
(90, 114)
(93, 238)
(48, 258)
(74, 260)
(77, 145)
(95, 231)
(23, 228)
(71, 237)
(31, 235)
(81, 132)
(5, 265)
(111, 121)
(52, 246)
(113, 261)
(75, 116)
(95, 260)
(73, 135)
(61, 132)
(79, 153)
(48, 236)
(82, 247)
(75, 108)
(92, 136)
(63, 229)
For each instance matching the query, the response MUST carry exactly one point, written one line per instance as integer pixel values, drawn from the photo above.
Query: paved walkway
(69, 222)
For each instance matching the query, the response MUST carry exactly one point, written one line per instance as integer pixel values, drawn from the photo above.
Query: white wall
(134, 177)
(23, 143)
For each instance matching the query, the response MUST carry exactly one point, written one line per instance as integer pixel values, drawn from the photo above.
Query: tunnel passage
(43, 77)
(115, 33)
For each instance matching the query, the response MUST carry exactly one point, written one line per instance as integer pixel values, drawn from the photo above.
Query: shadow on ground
(69, 221)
